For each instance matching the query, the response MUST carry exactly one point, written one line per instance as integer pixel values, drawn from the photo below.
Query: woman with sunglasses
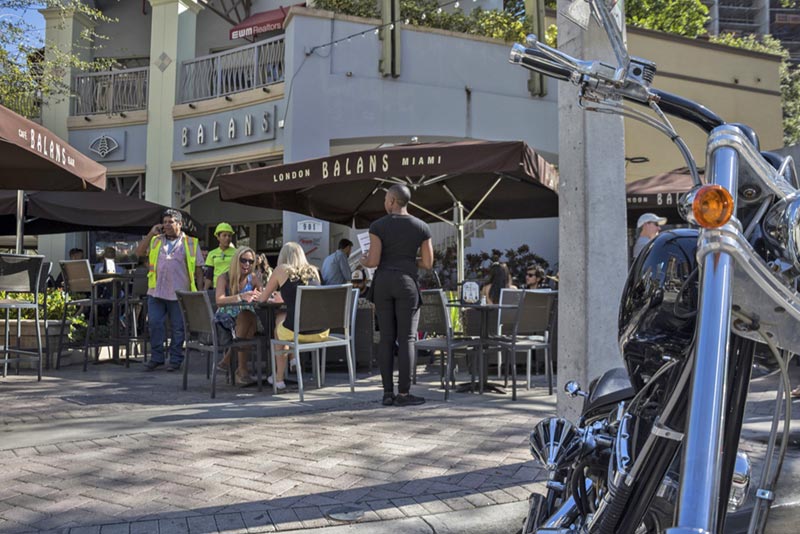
(236, 290)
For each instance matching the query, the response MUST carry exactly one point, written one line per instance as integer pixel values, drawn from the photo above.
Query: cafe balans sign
(48, 147)
(359, 167)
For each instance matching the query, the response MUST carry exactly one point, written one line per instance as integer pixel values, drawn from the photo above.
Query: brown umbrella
(32, 157)
(658, 194)
(450, 182)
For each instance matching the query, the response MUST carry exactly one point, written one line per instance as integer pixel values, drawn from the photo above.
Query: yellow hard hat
(223, 227)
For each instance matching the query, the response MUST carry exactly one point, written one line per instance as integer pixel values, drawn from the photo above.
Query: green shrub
(55, 310)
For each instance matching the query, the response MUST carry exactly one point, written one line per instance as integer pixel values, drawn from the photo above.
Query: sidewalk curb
(495, 519)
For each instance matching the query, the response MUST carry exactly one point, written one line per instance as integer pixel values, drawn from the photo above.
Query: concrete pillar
(172, 40)
(62, 36)
(593, 256)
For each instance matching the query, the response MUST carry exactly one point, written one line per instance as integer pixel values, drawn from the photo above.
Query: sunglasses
(530, 274)
(245, 260)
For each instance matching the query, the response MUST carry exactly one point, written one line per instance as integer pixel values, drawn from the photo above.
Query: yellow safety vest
(189, 245)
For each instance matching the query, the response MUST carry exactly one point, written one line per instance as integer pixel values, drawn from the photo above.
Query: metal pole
(20, 221)
(703, 444)
(458, 221)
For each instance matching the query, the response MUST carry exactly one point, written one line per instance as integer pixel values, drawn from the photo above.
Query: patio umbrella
(451, 182)
(32, 157)
(658, 194)
(55, 212)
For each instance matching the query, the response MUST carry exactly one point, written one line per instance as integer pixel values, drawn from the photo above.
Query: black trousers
(397, 300)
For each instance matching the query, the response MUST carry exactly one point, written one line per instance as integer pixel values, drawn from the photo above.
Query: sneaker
(151, 365)
(172, 367)
(388, 399)
(281, 386)
(408, 400)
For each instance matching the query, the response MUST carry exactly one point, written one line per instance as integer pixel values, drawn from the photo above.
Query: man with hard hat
(649, 225)
(219, 259)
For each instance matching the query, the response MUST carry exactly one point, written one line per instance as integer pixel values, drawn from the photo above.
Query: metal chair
(21, 274)
(434, 318)
(527, 328)
(201, 336)
(136, 306)
(82, 288)
(319, 308)
(512, 297)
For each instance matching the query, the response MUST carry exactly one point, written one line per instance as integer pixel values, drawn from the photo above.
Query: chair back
(44, 275)
(196, 311)
(20, 273)
(433, 316)
(78, 277)
(323, 307)
(534, 312)
(507, 317)
(139, 283)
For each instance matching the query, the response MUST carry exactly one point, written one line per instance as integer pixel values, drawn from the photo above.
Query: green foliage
(679, 17)
(55, 309)
(789, 78)
(507, 25)
(25, 78)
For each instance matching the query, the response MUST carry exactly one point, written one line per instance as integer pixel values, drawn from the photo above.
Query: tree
(679, 17)
(789, 76)
(24, 78)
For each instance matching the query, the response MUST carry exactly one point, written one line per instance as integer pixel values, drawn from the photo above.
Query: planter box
(28, 338)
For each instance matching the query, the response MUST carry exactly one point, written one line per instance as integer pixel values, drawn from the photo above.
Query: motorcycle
(654, 449)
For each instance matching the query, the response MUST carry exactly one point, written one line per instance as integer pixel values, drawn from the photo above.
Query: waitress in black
(395, 240)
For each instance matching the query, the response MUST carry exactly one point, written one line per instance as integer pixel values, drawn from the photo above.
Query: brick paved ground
(119, 450)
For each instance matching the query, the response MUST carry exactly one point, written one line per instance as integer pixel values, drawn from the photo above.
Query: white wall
(129, 36)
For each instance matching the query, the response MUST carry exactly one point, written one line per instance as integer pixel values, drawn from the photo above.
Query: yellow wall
(738, 85)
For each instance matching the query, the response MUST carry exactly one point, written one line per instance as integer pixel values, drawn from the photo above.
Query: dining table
(120, 288)
(485, 310)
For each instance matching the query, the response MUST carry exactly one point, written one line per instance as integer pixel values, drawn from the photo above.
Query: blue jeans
(157, 312)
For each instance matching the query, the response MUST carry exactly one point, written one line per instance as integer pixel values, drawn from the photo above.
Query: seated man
(359, 281)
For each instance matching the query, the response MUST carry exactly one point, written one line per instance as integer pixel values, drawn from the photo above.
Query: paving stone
(118, 528)
(144, 527)
(173, 526)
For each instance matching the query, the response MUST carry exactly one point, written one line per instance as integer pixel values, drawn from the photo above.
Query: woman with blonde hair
(292, 271)
(236, 290)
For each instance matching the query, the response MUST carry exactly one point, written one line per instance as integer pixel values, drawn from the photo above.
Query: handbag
(225, 325)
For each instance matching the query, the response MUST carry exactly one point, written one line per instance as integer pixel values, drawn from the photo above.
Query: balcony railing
(110, 92)
(232, 71)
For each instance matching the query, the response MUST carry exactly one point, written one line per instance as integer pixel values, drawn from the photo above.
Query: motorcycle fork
(743, 351)
(703, 446)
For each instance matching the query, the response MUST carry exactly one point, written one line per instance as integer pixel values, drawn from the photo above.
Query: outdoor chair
(434, 318)
(511, 297)
(136, 304)
(82, 291)
(527, 328)
(21, 274)
(201, 336)
(43, 278)
(319, 308)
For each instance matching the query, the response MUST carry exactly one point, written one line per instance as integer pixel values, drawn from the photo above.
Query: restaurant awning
(450, 182)
(658, 194)
(32, 157)
(266, 21)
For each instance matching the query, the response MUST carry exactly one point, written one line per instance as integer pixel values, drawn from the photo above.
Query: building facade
(193, 103)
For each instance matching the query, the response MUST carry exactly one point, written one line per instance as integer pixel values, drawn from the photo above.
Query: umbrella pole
(458, 222)
(20, 221)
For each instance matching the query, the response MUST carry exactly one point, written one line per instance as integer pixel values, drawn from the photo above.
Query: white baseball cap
(358, 275)
(651, 217)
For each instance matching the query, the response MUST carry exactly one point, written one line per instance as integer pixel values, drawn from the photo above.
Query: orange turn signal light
(712, 206)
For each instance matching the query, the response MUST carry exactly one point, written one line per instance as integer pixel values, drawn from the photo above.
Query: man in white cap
(648, 226)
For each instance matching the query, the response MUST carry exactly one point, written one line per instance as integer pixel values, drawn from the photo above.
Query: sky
(31, 16)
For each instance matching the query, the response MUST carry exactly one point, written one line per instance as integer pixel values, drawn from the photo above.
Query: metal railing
(232, 71)
(110, 92)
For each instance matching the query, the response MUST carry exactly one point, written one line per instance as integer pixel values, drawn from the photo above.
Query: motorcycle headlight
(782, 228)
